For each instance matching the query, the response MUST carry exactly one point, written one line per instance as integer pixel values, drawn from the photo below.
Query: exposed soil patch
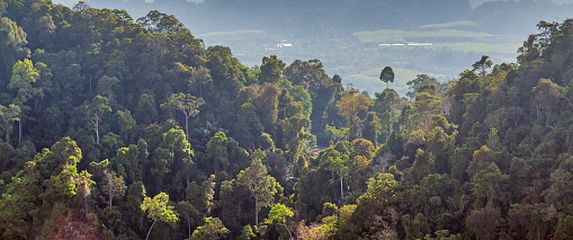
(76, 225)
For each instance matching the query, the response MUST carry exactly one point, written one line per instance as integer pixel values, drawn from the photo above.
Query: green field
(231, 34)
(392, 36)
(490, 48)
(445, 39)
(452, 24)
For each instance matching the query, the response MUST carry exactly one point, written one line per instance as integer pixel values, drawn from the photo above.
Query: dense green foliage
(134, 129)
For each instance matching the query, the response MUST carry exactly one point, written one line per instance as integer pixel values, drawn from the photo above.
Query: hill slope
(133, 129)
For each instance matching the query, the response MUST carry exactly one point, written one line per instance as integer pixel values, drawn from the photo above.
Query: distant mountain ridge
(346, 15)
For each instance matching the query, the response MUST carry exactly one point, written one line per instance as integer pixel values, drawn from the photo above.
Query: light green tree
(12, 42)
(278, 215)
(350, 105)
(247, 233)
(24, 75)
(159, 209)
(261, 186)
(381, 187)
(336, 162)
(187, 104)
(423, 80)
(113, 185)
(213, 229)
(96, 110)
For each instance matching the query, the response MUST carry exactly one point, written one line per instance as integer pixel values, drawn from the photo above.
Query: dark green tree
(187, 104)
(271, 69)
(387, 75)
(8, 115)
(482, 65)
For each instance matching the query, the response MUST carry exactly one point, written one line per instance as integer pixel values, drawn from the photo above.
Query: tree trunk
(187, 126)
(514, 123)
(97, 129)
(149, 231)
(341, 186)
(288, 230)
(86, 206)
(7, 134)
(110, 193)
(189, 225)
(20, 129)
(256, 213)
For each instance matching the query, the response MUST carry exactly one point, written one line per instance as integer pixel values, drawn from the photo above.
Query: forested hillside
(122, 128)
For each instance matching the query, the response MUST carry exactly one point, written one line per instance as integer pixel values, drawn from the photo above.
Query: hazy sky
(473, 2)
(478, 2)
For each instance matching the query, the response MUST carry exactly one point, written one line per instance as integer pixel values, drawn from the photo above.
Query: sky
(205, 16)
(474, 3)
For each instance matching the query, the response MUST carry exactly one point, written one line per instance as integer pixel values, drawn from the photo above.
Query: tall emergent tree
(261, 186)
(350, 106)
(387, 75)
(114, 186)
(96, 111)
(202, 197)
(272, 69)
(24, 75)
(8, 115)
(187, 104)
(482, 65)
(158, 209)
(12, 42)
(337, 162)
(421, 81)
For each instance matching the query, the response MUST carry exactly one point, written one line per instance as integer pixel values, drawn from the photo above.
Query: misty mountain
(317, 16)
(511, 16)
(346, 15)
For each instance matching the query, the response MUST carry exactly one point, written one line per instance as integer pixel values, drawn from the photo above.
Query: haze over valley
(346, 34)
